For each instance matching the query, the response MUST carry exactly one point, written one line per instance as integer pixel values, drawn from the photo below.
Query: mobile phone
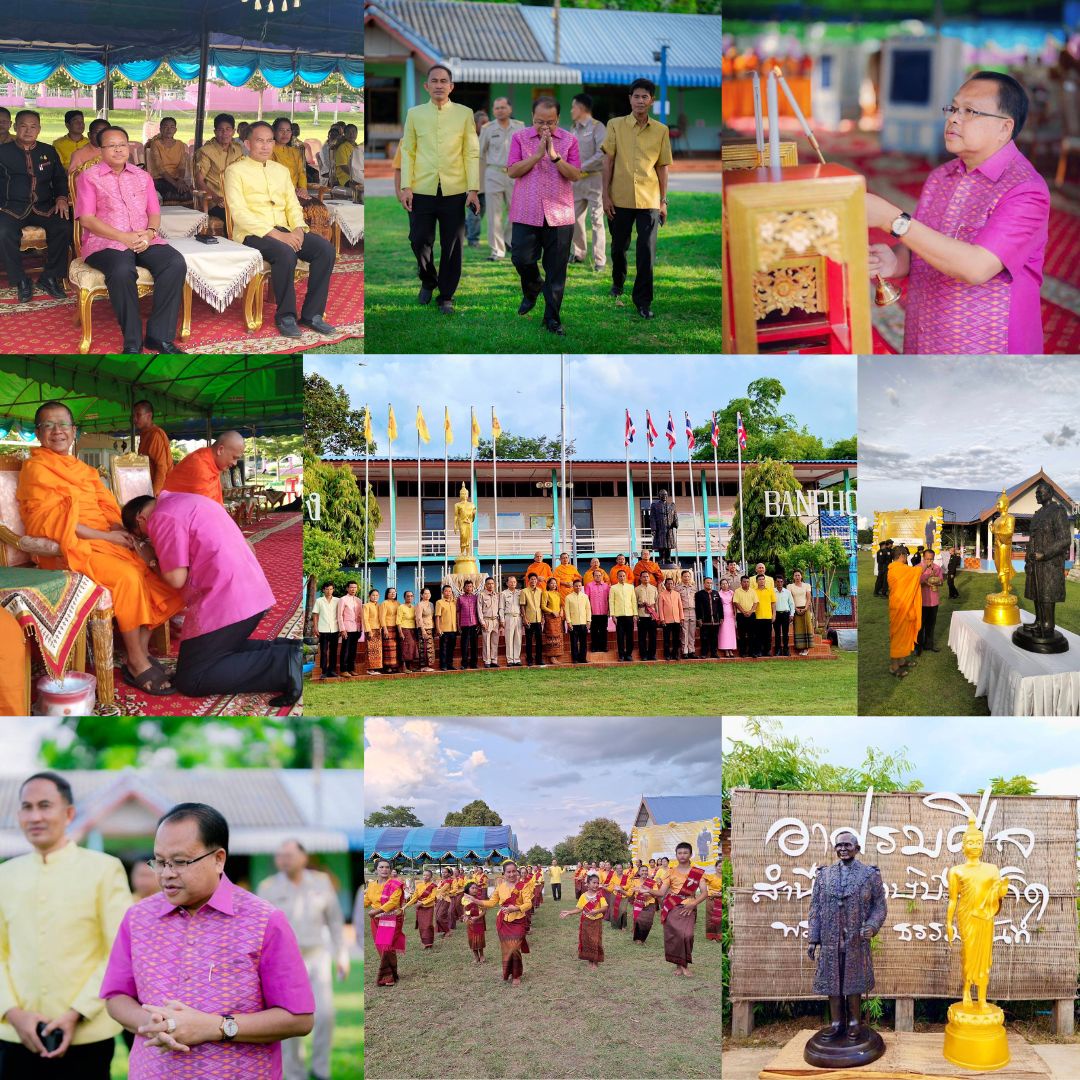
(51, 1041)
(205, 238)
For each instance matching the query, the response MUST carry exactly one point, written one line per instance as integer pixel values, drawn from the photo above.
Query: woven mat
(909, 1055)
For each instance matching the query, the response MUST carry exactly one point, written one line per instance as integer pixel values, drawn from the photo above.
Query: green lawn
(352, 345)
(935, 687)
(686, 298)
(450, 1017)
(347, 1054)
(751, 687)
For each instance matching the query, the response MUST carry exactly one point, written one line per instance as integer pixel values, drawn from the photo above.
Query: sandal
(152, 681)
(899, 673)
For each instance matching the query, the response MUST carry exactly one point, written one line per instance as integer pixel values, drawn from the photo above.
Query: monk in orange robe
(200, 472)
(540, 569)
(566, 574)
(153, 443)
(13, 697)
(905, 610)
(596, 568)
(62, 498)
(646, 563)
(620, 564)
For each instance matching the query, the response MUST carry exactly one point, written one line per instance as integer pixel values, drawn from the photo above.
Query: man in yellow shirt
(637, 153)
(343, 154)
(744, 600)
(266, 215)
(67, 144)
(764, 616)
(578, 616)
(555, 877)
(532, 616)
(440, 176)
(213, 158)
(60, 909)
(622, 604)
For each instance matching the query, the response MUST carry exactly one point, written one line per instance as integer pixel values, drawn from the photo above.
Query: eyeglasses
(179, 865)
(966, 113)
(52, 425)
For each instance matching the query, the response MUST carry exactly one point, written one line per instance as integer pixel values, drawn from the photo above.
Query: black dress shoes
(553, 327)
(161, 346)
(24, 290)
(424, 295)
(446, 307)
(52, 287)
(645, 312)
(287, 327)
(318, 324)
(526, 305)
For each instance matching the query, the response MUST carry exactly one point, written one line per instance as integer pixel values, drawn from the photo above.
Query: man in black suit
(708, 610)
(883, 558)
(951, 571)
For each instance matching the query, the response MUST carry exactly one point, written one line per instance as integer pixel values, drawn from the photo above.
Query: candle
(759, 131)
(774, 123)
(798, 113)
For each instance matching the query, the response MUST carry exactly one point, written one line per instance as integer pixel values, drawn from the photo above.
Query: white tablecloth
(178, 221)
(350, 216)
(220, 272)
(1015, 682)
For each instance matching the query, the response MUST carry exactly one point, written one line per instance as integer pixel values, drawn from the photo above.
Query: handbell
(886, 292)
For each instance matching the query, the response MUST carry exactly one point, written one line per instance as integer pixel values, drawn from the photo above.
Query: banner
(652, 841)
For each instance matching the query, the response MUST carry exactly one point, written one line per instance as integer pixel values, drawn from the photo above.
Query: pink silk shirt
(349, 614)
(225, 582)
(597, 592)
(237, 954)
(124, 201)
(543, 194)
(930, 597)
(1002, 205)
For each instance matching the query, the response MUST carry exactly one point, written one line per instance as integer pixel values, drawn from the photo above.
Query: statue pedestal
(842, 1052)
(1002, 609)
(975, 1037)
(1026, 638)
(466, 566)
(457, 582)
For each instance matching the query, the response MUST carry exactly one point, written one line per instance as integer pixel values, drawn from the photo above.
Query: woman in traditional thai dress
(385, 896)
(513, 902)
(712, 905)
(423, 898)
(591, 904)
(388, 610)
(475, 920)
(551, 606)
(373, 634)
(727, 643)
(444, 903)
(802, 622)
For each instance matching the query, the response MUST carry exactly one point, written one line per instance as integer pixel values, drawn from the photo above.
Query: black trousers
(448, 213)
(469, 637)
(57, 240)
(762, 636)
(598, 635)
(228, 661)
(579, 644)
(953, 591)
(328, 653)
(168, 190)
(534, 638)
(556, 891)
(880, 583)
(672, 632)
(120, 270)
(91, 1061)
(624, 636)
(647, 221)
(929, 625)
(446, 651)
(646, 637)
(531, 243)
(780, 633)
(708, 639)
(317, 253)
(348, 651)
(744, 633)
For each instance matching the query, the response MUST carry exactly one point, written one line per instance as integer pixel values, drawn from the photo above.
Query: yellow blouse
(388, 610)
(406, 616)
(676, 878)
(373, 898)
(503, 891)
(551, 602)
(428, 901)
(371, 616)
(444, 889)
(712, 881)
(293, 160)
(597, 912)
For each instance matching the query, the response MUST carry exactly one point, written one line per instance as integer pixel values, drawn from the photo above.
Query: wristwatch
(229, 1028)
(901, 225)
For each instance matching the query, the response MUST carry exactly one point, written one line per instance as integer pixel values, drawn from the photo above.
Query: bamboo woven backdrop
(770, 964)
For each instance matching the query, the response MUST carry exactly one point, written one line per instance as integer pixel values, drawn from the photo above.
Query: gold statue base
(975, 1037)
(1002, 609)
(465, 566)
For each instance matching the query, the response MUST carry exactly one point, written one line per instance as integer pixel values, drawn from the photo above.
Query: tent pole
(204, 63)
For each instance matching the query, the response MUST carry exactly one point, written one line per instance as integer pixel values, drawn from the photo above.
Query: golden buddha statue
(464, 516)
(975, 1034)
(1002, 608)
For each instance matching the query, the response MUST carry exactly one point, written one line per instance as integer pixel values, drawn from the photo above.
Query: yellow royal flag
(367, 426)
(421, 425)
(475, 430)
(496, 427)
(391, 427)
(448, 431)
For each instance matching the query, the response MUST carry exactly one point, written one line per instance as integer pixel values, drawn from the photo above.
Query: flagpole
(419, 521)
(648, 441)
(562, 473)
(671, 462)
(446, 499)
(629, 502)
(693, 505)
(495, 484)
(392, 565)
(367, 505)
(716, 480)
(742, 523)
(473, 493)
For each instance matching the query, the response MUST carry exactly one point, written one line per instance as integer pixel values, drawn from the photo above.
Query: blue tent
(470, 844)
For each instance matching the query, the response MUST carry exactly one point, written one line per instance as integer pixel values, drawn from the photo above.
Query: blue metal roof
(667, 808)
(618, 46)
(497, 841)
(967, 504)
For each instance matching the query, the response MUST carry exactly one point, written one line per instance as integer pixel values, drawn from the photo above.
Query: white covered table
(180, 221)
(349, 218)
(1015, 682)
(219, 273)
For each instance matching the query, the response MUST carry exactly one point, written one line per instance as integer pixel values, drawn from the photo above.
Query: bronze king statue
(1049, 536)
(847, 908)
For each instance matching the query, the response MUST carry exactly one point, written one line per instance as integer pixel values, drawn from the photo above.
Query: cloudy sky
(525, 393)
(948, 753)
(975, 422)
(546, 776)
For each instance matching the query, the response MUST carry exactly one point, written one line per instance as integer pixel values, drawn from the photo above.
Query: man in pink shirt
(931, 579)
(974, 249)
(200, 550)
(671, 615)
(119, 212)
(208, 976)
(350, 619)
(597, 591)
(543, 163)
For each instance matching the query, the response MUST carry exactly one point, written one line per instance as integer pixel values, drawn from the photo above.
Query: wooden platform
(908, 1056)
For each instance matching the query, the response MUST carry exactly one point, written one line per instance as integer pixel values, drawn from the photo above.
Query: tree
(323, 556)
(520, 447)
(472, 814)
(566, 851)
(538, 856)
(1018, 785)
(332, 427)
(844, 449)
(393, 817)
(767, 538)
(602, 838)
(820, 561)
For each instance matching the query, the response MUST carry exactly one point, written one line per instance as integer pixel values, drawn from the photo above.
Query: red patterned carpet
(46, 325)
(278, 542)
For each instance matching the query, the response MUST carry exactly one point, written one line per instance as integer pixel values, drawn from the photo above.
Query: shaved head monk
(540, 569)
(200, 472)
(63, 498)
(153, 443)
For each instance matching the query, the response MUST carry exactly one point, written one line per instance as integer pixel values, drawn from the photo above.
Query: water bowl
(74, 696)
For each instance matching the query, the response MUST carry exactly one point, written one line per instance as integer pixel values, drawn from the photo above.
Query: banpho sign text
(808, 503)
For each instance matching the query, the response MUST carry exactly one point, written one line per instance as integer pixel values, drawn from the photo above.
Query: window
(382, 101)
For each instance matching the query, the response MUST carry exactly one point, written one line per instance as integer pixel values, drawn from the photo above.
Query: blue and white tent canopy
(468, 844)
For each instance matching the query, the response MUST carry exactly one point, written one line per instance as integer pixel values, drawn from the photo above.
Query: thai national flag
(671, 440)
(631, 431)
(715, 431)
(741, 431)
(691, 442)
(650, 429)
